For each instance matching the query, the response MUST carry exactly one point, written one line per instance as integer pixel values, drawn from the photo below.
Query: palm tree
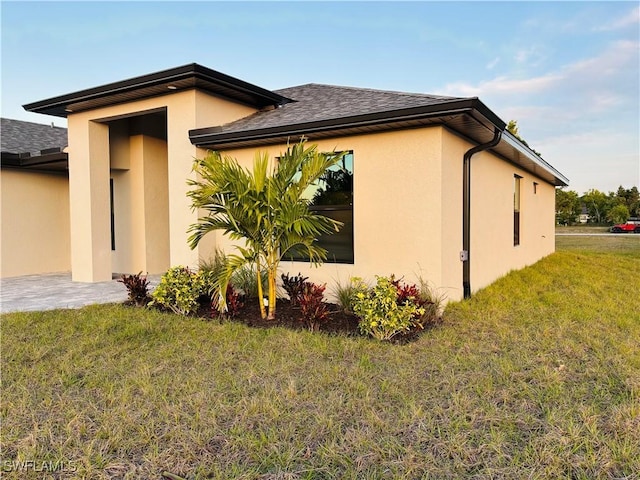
(265, 208)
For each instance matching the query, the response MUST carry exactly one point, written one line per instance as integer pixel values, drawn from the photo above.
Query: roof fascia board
(179, 73)
(486, 112)
(14, 160)
(202, 136)
(44, 170)
(235, 83)
(104, 90)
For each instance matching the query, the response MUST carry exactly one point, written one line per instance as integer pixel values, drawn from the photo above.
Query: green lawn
(536, 377)
(621, 243)
(583, 228)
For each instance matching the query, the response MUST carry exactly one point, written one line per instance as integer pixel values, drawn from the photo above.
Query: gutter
(465, 254)
(559, 179)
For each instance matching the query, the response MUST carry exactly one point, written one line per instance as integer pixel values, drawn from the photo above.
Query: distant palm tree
(265, 208)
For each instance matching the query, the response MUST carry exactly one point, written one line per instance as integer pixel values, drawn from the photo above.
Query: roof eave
(215, 137)
(52, 161)
(559, 180)
(197, 74)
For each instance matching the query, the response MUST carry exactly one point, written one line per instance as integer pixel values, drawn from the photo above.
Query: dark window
(516, 210)
(113, 221)
(333, 198)
(535, 188)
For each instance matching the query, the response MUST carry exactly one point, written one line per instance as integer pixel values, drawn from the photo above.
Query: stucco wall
(492, 220)
(453, 149)
(408, 211)
(407, 199)
(141, 208)
(35, 223)
(397, 206)
(89, 172)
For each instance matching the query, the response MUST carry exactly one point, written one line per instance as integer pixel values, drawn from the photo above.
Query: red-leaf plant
(313, 309)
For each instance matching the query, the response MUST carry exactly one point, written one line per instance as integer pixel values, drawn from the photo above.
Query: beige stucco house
(438, 187)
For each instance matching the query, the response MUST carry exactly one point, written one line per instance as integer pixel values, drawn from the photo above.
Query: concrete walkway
(56, 290)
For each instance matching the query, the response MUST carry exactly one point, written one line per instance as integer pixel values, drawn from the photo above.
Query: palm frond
(263, 207)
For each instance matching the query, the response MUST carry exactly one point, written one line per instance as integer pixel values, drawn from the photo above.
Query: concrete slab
(56, 290)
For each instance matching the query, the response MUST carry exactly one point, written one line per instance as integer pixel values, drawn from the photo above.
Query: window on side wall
(332, 197)
(516, 210)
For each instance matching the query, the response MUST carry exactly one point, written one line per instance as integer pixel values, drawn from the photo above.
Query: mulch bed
(289, 316)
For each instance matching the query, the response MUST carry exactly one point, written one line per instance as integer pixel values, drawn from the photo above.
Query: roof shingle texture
(19, 136)
(315, 102)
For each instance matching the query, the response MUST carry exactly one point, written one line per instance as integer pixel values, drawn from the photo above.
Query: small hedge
(381, 313)
(179, 291)
(385, 310)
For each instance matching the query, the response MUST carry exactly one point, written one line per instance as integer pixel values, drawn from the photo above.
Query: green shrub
(380, 314)
(245, 280)
(345, 293)
(432, 302)
(209, 270)
(422, 296)
(179, 291)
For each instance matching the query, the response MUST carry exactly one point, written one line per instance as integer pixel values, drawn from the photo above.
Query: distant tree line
(601, 208)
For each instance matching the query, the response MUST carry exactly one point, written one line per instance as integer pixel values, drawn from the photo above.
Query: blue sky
(569, 72)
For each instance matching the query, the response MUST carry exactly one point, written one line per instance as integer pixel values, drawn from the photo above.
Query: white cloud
(583, 116)
(491, 65)
(591, 159)
(503, 85)
(621, 53)
(531, 56)
(605, 80)
(630, 18)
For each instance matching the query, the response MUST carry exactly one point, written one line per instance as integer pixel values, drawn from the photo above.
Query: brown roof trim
(52, 160)
(180, 78)
(217, 137)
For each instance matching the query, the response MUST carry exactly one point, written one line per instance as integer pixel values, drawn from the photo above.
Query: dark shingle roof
(20, 137)
(325, 111)
(33, 146)
(315, 103)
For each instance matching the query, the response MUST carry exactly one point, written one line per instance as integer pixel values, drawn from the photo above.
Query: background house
(438, 187)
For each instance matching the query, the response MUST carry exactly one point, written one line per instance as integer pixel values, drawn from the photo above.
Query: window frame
(517, 208)
(113, 215)
(345, 260)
